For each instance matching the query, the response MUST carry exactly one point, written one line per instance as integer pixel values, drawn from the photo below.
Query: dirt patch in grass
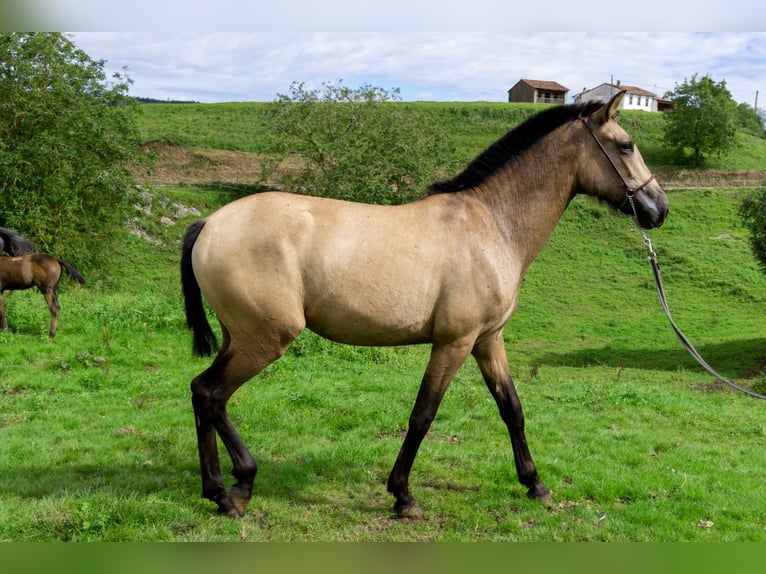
(178, 165)
(710, 178)
(175, 165)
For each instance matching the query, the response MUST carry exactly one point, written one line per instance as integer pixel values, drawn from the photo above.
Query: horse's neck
(529, 200)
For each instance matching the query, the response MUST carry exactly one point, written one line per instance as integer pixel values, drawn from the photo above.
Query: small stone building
(538, 92)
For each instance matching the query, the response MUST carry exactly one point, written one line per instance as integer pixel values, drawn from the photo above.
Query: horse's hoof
(546, 500)
(238, 501)
(230, 511)
(410, 512)
(231, 506)
(227, 508)
(541, 494)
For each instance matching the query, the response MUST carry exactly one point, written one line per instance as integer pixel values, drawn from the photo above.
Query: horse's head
(613, 169)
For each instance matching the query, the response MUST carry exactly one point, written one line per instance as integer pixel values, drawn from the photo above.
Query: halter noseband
(629, 191)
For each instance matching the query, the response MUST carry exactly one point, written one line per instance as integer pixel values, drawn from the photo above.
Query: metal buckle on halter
(629, 195)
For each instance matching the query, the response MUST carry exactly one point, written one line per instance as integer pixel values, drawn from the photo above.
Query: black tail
(204, 341)
(72, 272)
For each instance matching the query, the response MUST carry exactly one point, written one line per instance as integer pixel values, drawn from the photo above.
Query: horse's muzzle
(648, 207)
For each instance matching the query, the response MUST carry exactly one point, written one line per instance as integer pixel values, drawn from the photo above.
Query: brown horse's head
(613, 170)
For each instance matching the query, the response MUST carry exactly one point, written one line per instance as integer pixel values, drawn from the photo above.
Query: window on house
(630, 99)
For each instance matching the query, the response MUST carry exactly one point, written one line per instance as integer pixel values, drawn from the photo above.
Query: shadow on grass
(329, 480)
(740, 359)
(308, 480)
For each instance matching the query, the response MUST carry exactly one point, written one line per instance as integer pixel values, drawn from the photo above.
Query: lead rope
(661, 292)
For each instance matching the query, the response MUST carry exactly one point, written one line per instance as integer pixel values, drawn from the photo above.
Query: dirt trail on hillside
(176, 165)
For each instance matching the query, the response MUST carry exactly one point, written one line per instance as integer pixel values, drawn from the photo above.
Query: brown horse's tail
(73, 273)
(203, 341)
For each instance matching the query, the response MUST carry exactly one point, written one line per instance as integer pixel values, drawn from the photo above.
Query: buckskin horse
(35, 270)
(445, 270)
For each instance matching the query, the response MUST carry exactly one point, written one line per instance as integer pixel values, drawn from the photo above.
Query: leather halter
(629, 191)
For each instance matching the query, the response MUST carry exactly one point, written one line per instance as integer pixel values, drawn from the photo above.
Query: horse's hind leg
(51, 297)
(211, 391)
(493, 364)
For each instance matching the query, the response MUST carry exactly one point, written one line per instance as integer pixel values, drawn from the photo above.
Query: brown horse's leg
(493, 364)
(51, 297)
(442, 366)
(211, 391)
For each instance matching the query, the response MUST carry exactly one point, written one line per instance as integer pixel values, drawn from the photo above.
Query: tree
(704, 119)
(750, 120)
(356, 144)
(753, 212)
(67, 137)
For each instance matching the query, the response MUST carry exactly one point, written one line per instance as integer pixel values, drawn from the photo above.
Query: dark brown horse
(35, 270)
(444, 270)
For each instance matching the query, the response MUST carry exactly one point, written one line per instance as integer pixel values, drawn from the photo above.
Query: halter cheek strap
(629, 191)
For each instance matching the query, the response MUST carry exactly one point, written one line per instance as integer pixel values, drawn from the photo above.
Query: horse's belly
(368, 322)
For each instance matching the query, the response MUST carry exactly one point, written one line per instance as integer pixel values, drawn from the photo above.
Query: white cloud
(441, 66)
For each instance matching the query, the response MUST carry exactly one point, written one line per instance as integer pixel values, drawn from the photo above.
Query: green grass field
(636, 442)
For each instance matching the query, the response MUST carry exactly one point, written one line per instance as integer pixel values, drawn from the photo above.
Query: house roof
(633, 90)
(617, 87)
(545, 85)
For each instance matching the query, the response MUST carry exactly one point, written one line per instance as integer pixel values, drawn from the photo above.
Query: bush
(354, 144)
(753, 212)
(67, 137)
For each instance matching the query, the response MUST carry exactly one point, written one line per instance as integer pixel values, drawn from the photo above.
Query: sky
(457, 66)
(472, 50)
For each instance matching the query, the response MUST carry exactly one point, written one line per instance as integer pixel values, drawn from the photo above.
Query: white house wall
(639, 102)
(631, 101)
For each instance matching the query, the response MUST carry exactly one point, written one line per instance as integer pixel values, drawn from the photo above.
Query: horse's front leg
(493, 364)
(442, 366)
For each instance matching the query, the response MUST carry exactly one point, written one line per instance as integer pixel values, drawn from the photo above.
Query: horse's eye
(626, 147)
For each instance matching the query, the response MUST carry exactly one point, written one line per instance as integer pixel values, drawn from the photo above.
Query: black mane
(512, 145)
(14, 244)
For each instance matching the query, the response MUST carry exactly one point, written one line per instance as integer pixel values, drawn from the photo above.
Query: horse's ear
(609, 110)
